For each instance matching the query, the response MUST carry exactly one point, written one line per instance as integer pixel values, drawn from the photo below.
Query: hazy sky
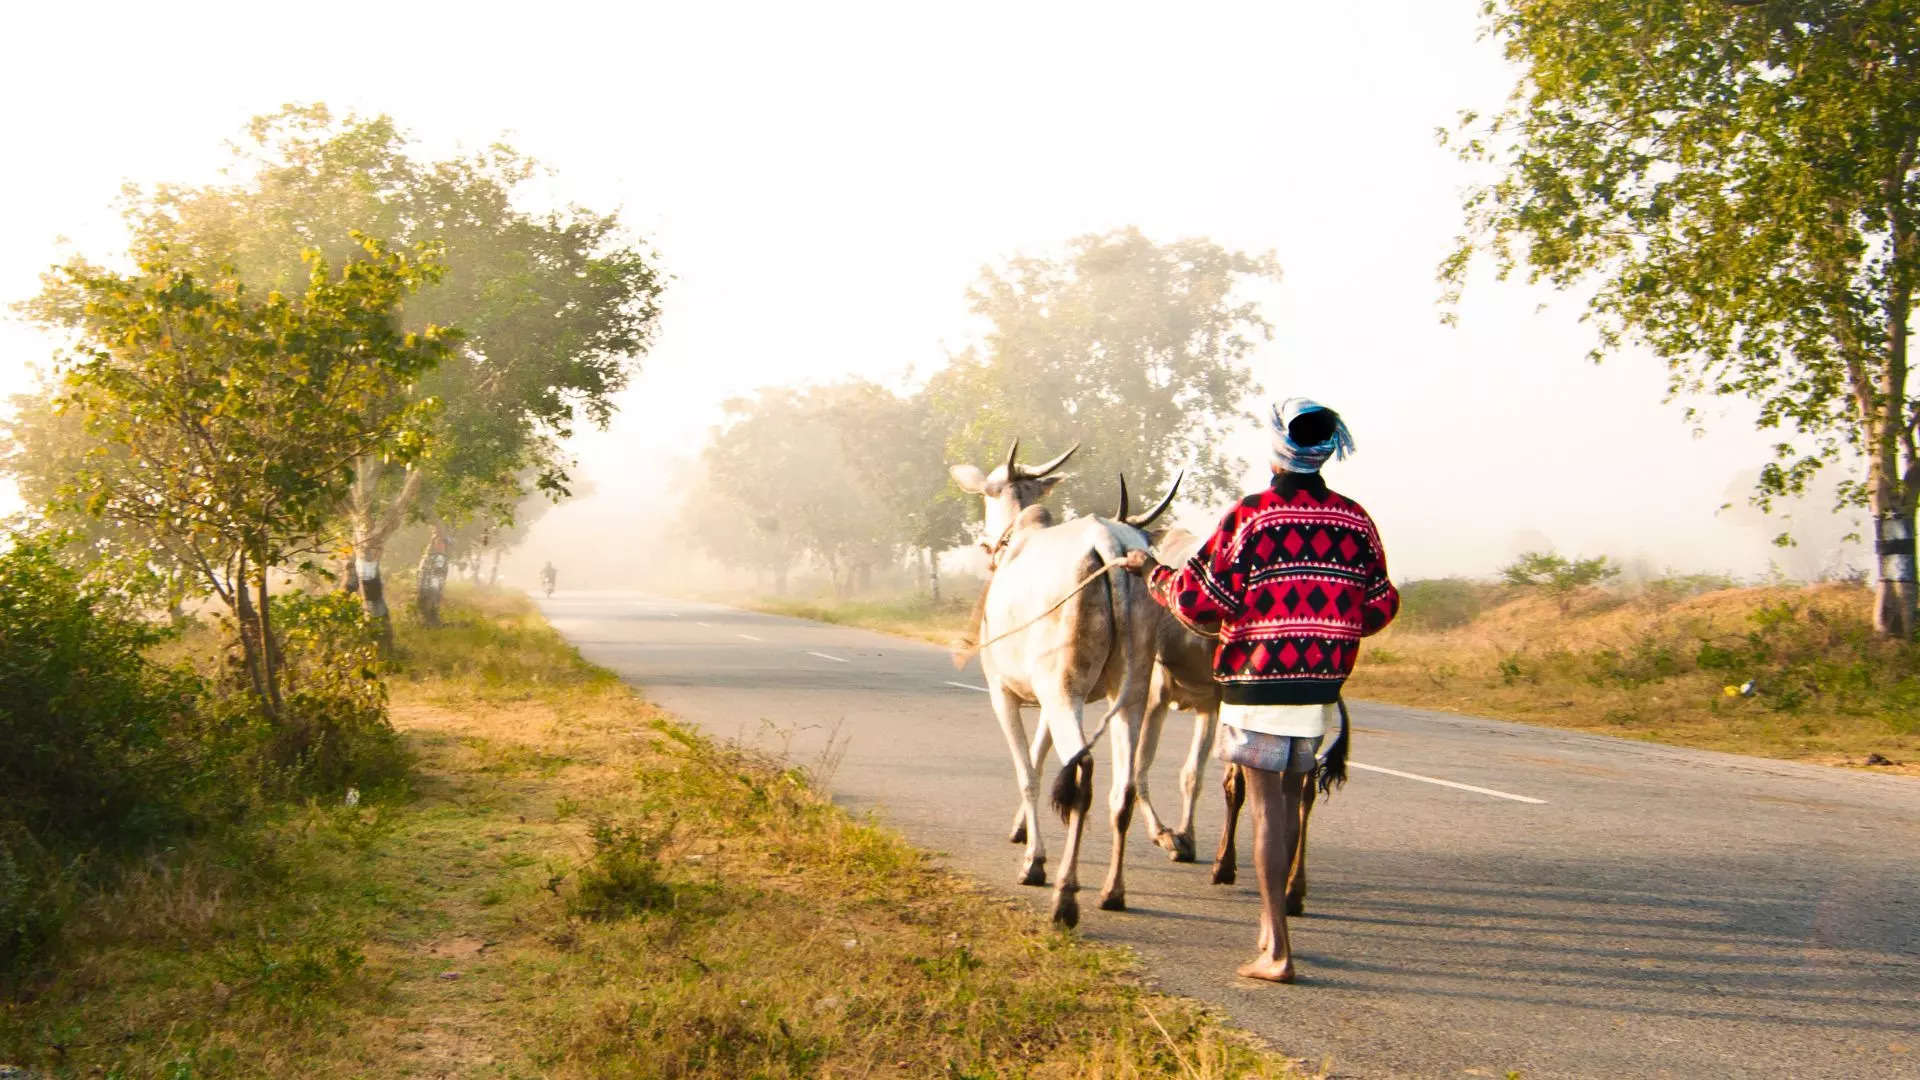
(824, 181)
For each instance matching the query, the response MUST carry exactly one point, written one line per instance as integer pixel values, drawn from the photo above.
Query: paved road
(1659, 913)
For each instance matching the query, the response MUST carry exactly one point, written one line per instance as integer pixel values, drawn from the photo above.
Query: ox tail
(1332, 772)
(1073, 788)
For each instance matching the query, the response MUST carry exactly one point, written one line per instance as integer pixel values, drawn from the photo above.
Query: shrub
(1441, 603)
(1560, 576)
(95, 740)
(334, 729)
(624, 877)
(99, 747)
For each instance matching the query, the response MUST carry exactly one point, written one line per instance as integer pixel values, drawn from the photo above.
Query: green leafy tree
(1562, 577)
(556, 305)
(1134, 350)
(232, 417)
(1739, 181)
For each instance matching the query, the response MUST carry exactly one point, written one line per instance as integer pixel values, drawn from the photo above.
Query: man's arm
(1207, 589)
(1382, 601)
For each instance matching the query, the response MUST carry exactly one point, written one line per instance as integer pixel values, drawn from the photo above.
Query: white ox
(1058, 656)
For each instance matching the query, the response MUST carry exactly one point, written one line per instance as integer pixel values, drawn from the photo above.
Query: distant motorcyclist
(548, 575)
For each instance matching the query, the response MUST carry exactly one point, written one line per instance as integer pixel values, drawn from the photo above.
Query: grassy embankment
(1649, 662)
(574, 884)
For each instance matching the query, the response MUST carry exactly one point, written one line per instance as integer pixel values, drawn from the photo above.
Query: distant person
(1293, 578)
(548, 575)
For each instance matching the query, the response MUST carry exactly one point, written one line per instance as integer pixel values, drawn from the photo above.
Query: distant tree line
(1134, 351)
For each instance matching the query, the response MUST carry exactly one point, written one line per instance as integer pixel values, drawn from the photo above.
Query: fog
(824, 182)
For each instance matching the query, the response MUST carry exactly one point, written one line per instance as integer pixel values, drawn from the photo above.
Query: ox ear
(970, 478)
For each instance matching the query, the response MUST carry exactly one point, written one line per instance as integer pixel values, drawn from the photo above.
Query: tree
(556, 305)
(1134, 350)
(1561, 577)
(237, 415)
(1739, 179)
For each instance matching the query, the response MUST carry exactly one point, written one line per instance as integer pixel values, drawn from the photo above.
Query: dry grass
(579, 886)
(1657, 664)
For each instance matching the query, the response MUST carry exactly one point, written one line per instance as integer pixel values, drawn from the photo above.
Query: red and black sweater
(1295, 576)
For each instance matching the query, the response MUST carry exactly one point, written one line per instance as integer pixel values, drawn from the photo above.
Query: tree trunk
(372, 525)
(373, 591)
(493, 573)
(1894, 610)
(249, 626)
(269, 647)
(933, 575)
(350, 577)
(433, 576)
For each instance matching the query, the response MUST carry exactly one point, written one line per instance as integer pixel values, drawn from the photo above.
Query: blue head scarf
(1290, 456)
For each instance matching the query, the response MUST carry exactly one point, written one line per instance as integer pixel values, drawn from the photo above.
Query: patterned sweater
(1295, 576)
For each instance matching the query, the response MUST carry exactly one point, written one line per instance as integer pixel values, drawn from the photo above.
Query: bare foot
(1267, 968)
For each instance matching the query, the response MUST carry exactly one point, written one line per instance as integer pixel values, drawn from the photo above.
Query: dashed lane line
(749, 637)
(824, 656)
(1449, 783)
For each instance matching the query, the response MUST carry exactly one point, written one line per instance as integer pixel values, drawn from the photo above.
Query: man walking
(1293, 578)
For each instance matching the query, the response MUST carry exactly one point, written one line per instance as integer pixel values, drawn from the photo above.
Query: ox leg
(1007, 708)
(1157, 707)
(1036, 757)
(1076, 785)
(1297, 880)
(1233, 785)
(1121, 797)
(1204, 722)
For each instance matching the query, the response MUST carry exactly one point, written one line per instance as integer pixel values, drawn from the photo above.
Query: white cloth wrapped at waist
(1300, 721)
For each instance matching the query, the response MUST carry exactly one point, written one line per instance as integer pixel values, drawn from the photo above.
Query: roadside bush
(99, 747)
(334, 729)
(625, 876)
(96, 741)
(1437, 604)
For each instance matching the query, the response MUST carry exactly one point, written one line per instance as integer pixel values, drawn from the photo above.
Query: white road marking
(1449, 783)
(708, 625)
(824, 656)
(750, 637)
(968, 686)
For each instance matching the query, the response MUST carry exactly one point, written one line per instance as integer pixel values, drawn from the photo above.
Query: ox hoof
(1018, 835)
(1223, 874)
(1035, 873)
(1113, 901)
(1066, 911)
(1182, 850)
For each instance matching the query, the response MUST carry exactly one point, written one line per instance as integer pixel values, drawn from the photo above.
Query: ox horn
(1012, 452)
(1042, 470)
(1146, 519)
(1121, 514)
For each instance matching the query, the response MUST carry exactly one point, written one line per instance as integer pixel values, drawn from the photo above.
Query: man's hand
(1137, 562)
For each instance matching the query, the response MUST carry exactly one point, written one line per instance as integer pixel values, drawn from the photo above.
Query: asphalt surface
(1658, 912)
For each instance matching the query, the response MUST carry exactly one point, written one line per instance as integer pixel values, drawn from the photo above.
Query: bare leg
(1233, 786)
(1276, 799)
